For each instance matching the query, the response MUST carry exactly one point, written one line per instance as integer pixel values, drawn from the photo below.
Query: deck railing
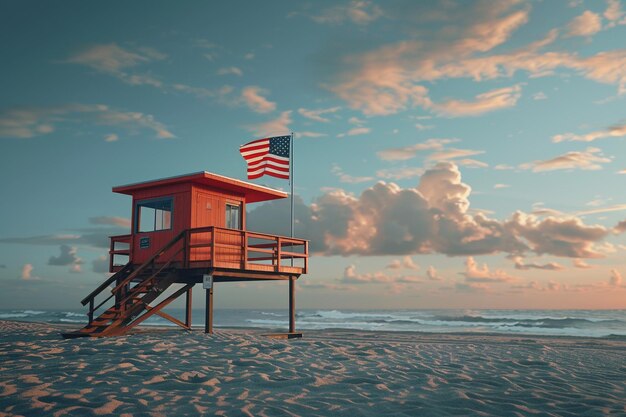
(115, 250)
(219, 247)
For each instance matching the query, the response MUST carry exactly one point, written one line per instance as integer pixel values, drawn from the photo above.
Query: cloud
(308, 134)
(317, 114)
(253, 98)
(486, 102)
(612, 132)
(433, 217)
(452, 153)
(67, 257)
(26, 123)
(587, 24)
(432, 274)
(114, 60)
(590, 159)
(409, 152)
(325, 286)
(355, 131)
(27, 273)
(500, 186)
(393, 77)
(360, 12)
(111, 221)
(348, 179)
(616, 279)
(230, 71)
(579, 263)
(400, 173)
(404, 263)
(275, 127)
(614, 13)
(540, 96)
(481, 274)
(350, 276)
(551, 266)
(607, 209)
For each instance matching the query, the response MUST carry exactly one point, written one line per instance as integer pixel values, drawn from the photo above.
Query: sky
(448, 154)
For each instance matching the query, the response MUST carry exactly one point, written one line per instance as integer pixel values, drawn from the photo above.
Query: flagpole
(291, 180)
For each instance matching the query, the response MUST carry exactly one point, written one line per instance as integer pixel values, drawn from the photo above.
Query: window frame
(238, 205)
(138, 205)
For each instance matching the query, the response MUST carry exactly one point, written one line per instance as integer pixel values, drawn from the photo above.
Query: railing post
(90, 314)
(245, 250)
(186, 251)
(306, 256)
(278, 252)
(213, 241)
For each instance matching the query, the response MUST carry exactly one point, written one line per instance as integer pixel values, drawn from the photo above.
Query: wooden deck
(227, 251)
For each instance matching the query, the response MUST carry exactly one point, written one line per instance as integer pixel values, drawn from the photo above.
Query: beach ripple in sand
(177, 373)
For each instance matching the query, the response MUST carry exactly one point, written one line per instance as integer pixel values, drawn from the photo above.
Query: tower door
(206, 213)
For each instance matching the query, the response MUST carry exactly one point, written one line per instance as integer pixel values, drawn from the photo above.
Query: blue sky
(448, 154)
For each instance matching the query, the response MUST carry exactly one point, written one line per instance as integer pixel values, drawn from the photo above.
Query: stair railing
(131, 274)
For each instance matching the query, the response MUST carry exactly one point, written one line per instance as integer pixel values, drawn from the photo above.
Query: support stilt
(292, 304)
(188, 308)
(208, 316)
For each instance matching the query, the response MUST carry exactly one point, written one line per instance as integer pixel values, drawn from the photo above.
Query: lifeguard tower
(188, 230)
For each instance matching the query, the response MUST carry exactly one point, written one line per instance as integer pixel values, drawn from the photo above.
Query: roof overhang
(253, 193)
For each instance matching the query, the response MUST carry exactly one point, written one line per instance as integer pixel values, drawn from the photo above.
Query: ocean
(587, 323)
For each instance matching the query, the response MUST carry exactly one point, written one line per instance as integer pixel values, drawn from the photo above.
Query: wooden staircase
(135, 289)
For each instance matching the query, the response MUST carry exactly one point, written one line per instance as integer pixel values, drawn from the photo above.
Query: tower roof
(253, 192)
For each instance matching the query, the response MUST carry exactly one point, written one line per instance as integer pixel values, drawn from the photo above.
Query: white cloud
(317, 114)
(587, 24)
(27, 273)
(348, 179)
(274, 127)
(486, 102)
(28, 122)
(522, 265)
(308, 134)
(399, 173)
(482, 274)
(253, 98)
(115, 60)
(612, 132)
(499, 186)
(355, 131)
(590, 159)
(409, 152)
(230, 71)
(360, 12)
(433, 217)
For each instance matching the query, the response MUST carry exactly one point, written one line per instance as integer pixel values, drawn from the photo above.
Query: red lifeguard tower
(188, 230)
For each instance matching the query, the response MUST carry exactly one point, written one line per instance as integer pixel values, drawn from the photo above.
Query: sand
(330, 373)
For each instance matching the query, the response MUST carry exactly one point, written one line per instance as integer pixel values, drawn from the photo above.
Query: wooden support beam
(208, 313)
(188, 308)
(168, 317)
(147, 314)
(292, 305)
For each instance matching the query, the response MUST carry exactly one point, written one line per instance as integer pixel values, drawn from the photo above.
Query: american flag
(267, 156)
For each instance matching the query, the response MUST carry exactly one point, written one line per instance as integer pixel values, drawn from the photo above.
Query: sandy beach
(341, 373)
